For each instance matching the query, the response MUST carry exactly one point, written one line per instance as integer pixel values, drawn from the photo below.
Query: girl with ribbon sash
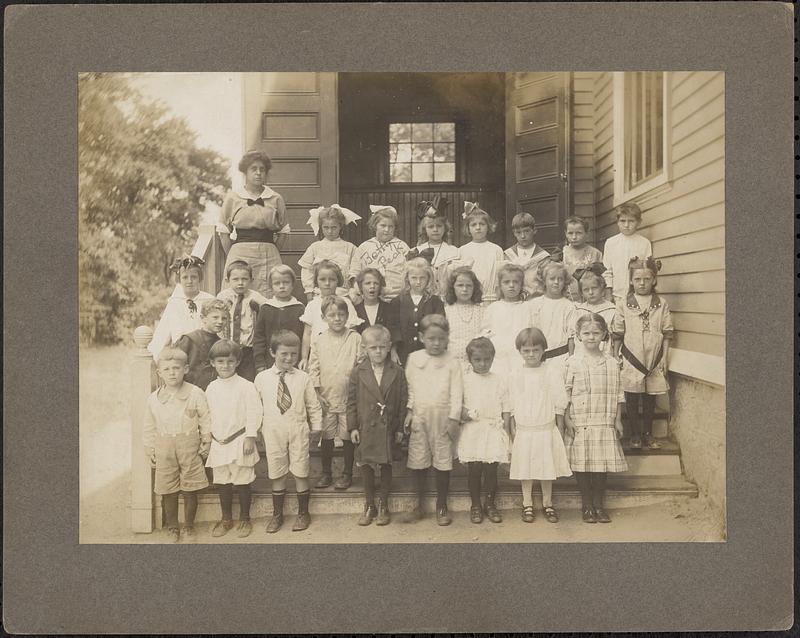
(642, 331)
(253, 221)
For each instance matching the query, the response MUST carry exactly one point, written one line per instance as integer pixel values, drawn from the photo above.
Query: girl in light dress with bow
(480, 254)
(331, 220)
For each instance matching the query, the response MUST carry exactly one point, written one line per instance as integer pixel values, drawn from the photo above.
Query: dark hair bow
(259, 201)
(433, 208)
(426, 254)
(187, 261)
(597, 268)
(653, 265)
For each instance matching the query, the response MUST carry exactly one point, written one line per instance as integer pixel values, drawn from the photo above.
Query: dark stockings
(640, 425)
(442, 487)
(327, 455)
(245, 497)
(189, 507)
(225, 491)
(476, 469)
(369, 482)
(349, 456)
(592, 486)
(171, 509)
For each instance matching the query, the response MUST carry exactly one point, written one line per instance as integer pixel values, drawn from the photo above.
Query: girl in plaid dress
(593, 419)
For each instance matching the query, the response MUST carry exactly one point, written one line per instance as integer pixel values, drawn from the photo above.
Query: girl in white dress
(482, 255)
(331, 220)
(182, 312)
(433, 233)
(486, 420)
(538, 401)
(506, 317)
(554, 314)
(463, 311)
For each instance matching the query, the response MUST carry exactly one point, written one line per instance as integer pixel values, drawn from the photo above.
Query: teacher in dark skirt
(253, 224)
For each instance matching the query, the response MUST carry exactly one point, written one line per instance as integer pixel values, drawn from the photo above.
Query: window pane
(400, 172)
(399, 152)
(422, 152)
(422, 172)
(444, 152)
(422, 132)
(400, 132)
(444, 172)
(444, 132)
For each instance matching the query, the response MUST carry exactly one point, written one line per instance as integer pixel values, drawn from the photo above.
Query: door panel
(537, 152)
(293, 117)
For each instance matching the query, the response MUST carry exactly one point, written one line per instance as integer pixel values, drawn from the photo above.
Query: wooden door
(293, 117)
(537, 152)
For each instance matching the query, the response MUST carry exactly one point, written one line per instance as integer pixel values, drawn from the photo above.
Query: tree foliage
(143, 184)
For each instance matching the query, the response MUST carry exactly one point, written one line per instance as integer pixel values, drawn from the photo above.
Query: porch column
(141, 473)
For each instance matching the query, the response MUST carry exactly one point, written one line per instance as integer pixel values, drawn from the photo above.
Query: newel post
(142, 499)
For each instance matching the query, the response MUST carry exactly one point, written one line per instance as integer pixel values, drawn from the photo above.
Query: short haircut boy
(480, 345)
(239, 264)
(529, 338)
(434, 321)
(225, 348)
(285, 338)
(280, 269)
(629, 208)
(338, 302)
(523, 220)
(213, 304)
(171, 353)
(377, 332)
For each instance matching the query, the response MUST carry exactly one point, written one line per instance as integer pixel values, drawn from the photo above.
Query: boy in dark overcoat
(376, 408)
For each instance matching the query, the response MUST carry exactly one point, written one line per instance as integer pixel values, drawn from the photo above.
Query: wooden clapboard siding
(405, 200)
(686, 220)
(583, 145)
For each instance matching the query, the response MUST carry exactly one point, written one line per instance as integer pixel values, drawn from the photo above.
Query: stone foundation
(698, 423)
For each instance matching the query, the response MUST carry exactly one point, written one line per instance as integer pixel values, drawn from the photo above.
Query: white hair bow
(468, 208)
(313, 216)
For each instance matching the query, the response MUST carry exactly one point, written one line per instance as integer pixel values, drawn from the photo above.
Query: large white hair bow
(468, 208)
(313, 216)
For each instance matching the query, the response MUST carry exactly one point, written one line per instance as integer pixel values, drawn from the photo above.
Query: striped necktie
(237, 319)
(284, 398)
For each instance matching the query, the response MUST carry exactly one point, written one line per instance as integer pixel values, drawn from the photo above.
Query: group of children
(472, 353)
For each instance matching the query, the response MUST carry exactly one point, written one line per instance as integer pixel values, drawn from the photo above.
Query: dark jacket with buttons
(404, 318)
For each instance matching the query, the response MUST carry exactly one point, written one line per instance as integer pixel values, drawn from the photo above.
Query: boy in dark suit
(197, 344)
(376, 408)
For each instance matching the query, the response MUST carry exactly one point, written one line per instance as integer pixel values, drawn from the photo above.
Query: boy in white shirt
(621, 248)
(290, 403)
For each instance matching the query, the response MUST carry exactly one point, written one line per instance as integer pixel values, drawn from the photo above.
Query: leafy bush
(143, 184)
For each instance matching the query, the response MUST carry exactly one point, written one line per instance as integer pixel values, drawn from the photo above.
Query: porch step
(623, 492)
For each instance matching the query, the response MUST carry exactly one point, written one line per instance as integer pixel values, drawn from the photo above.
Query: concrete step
(623, 492)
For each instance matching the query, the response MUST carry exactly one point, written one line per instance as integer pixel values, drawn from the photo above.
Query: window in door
(422, 152)
(641, 133)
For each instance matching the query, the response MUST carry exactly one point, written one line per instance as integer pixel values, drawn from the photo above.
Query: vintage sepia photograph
(321, 307)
